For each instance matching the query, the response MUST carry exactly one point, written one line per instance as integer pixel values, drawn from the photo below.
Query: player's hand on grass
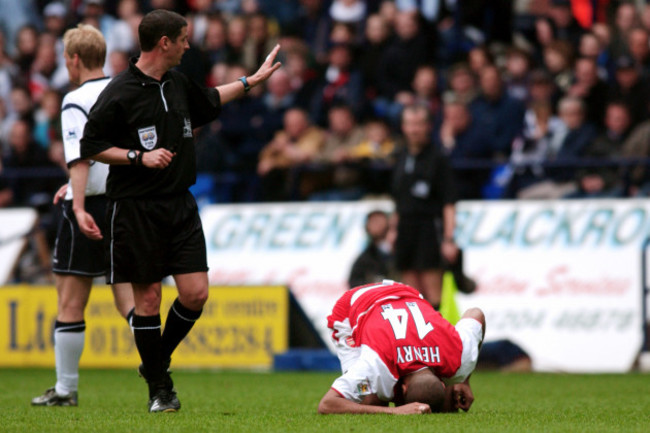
(159, 158)
(412, 408)
(87, 225)
(463, 396)
(60, 194)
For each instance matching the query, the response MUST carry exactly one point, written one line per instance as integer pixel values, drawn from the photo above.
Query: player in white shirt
(79, 253)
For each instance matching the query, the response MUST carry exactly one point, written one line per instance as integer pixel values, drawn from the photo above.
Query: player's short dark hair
(159, 23)
(426, 389)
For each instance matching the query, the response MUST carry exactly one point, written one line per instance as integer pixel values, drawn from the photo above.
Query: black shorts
(417, 247)
(74, 253)
(151, 238)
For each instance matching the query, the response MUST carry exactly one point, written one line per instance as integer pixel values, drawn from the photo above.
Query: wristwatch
(133, 156)
(244, 81)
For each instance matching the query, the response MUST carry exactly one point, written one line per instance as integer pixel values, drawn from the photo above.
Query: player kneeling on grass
(394, 347)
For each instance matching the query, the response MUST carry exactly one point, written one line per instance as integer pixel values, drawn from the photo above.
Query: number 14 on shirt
(398, 319)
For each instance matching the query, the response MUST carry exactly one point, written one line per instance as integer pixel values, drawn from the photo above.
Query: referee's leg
(186, 309)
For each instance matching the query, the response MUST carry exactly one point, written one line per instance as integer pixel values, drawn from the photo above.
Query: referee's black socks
(146, 332)
(180, 320)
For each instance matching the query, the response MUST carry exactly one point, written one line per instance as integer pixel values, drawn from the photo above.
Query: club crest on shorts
(148, 137)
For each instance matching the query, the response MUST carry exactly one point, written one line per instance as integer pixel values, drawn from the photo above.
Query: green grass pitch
(227, 401)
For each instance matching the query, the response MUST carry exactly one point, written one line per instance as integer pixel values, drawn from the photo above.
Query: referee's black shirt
(138, 112)
(422, 183)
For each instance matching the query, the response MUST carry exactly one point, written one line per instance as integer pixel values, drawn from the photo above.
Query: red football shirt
(401, 328)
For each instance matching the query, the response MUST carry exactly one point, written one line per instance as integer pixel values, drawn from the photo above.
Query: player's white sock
(68, 346)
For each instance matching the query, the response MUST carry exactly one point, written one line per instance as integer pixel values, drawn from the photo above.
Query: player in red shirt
(394, 346)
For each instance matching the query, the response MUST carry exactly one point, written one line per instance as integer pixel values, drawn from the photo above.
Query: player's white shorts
(471, 335)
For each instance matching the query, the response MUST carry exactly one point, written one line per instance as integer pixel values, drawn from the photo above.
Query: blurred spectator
(558, 61)
(214, 42)
(458, 138)
(478, 58)
(566, 28)
(55, 18)
(637, 178)
(639, 49)
(375, 261)
(194, 62)
(118, 61)
(496, 114)
(46, 72)
(342, 34)
(530, 149)
(312, 25)
(604, 181)
(296, 144)
(591, 47)
(461, 84)
(259, 42)
(236, 34)
(516, 74)
(591, 89)
(375, 153)
(8, 74)
(26, 45)
(630, 88)
(351, 12)
(93, 13)
(425, 89)
(544, 36)
(398, 63)
(198, 18)
(377, 143)
(626, 19)
(302, 76)
(22, 106)
(26, 153)
(424, 195)
(378, 34)
(341, 181)
(48, 119)
(565, 147)
(17, 14)
(123, 35)
(340, 83)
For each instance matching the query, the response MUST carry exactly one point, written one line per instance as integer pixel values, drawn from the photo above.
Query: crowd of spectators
(537, 99)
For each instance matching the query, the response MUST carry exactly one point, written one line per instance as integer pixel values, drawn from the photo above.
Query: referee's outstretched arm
(237, 89)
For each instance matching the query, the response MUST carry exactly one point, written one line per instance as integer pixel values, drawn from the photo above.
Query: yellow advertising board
(241, 327)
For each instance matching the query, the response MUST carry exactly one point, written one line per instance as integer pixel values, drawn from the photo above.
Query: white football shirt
(74, 115)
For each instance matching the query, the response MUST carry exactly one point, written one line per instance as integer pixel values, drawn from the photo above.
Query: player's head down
(424, 387)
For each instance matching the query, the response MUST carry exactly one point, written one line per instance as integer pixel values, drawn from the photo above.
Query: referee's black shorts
(74, 253)
(151, 238)
(417, 247)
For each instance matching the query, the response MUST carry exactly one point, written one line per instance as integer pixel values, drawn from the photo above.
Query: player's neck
(90, 74)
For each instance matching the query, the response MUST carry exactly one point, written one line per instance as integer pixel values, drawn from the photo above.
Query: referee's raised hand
(267, 69)
(159, 158)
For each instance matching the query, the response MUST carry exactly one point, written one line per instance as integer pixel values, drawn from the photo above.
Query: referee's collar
(141, 76)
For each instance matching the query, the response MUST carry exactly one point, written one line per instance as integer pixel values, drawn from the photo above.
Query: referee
(142, 125)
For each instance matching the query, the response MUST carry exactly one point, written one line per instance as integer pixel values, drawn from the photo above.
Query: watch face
(131, 155)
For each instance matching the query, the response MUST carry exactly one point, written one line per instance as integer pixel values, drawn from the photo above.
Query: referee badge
(148, 137)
